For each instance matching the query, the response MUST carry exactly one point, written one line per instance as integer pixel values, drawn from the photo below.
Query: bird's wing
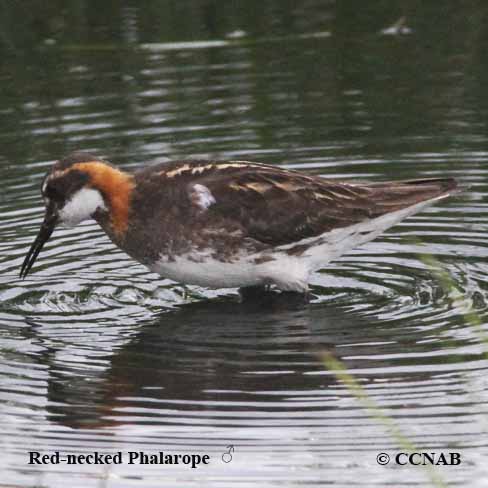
(276, 206)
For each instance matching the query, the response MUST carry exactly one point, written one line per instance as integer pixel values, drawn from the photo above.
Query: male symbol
(227, 456)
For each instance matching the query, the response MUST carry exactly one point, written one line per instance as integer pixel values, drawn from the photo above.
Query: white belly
(210, 273)
(285, 272)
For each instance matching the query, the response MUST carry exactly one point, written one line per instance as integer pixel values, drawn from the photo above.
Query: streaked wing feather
(276, 206)
(279, 207)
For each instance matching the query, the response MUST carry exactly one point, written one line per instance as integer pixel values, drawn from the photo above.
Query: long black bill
(47, 228)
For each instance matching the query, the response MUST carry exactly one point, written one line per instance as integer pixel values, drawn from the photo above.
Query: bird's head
(77, 188)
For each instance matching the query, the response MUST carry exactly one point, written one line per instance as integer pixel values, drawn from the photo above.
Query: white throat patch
(81, 206)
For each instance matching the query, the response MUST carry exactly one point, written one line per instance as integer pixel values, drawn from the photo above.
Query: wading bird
(227, 224)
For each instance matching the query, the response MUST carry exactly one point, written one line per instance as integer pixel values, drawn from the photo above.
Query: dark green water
(97, 354)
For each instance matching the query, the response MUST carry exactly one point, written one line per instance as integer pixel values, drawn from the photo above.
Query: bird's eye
(53, 193)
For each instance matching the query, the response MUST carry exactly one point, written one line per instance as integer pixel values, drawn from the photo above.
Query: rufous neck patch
(116, 186)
